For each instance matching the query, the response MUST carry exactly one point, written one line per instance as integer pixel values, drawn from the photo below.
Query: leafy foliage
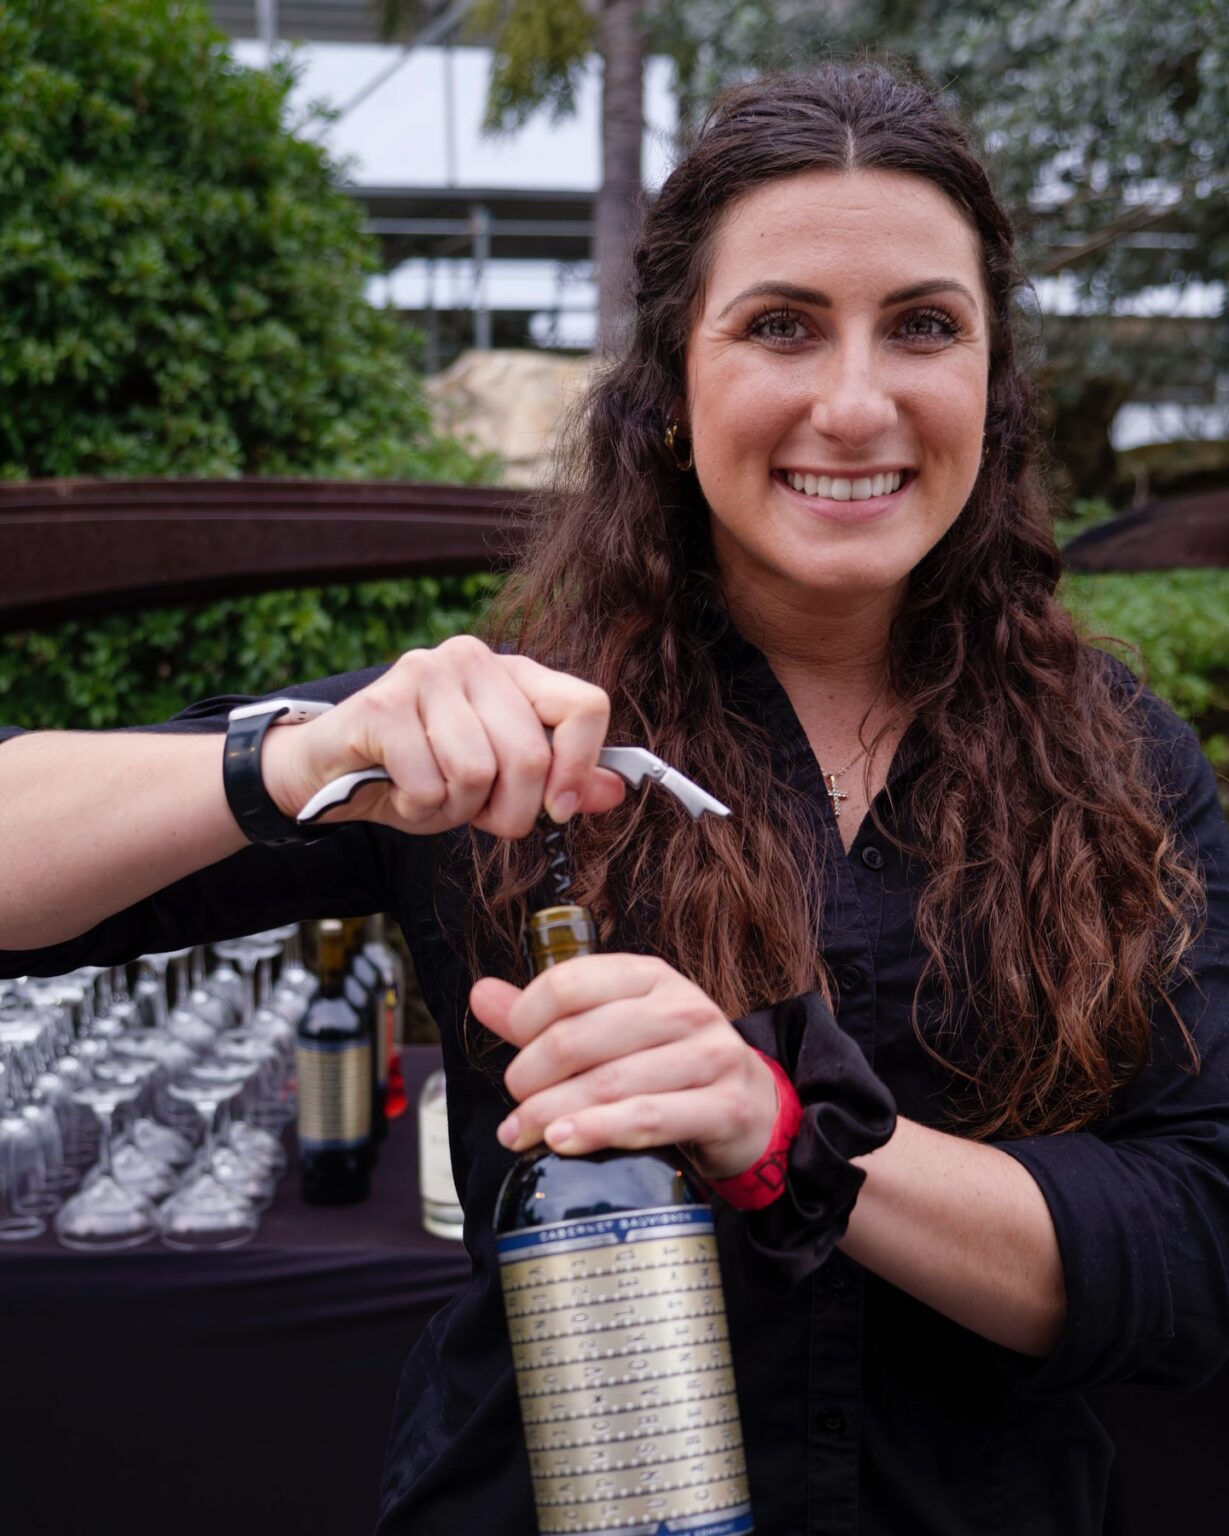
(1175, 625)
(132, 671)
(541, 52)
(182, 284)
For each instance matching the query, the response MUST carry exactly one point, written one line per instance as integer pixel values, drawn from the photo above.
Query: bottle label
(334, 1094)
(435, 1181)
(623, 1369)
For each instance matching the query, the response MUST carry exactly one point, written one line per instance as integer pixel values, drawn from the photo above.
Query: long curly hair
(1057, 906)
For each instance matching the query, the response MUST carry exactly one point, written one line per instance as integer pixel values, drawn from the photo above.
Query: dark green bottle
(616, 1314)
(333, 1064)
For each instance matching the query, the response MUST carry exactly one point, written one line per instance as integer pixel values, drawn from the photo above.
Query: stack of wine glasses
(150, 1102)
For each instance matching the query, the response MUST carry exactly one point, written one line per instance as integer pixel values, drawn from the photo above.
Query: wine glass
(104, 1214)
(204, 1212)
(250, 1173)
(22, 1171)
(248, 954)
(251, 1135)
(133, 1165)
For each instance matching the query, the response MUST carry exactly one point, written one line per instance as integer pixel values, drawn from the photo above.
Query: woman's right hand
(461, 731)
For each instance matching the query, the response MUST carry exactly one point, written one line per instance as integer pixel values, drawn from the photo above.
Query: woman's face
(836, 385)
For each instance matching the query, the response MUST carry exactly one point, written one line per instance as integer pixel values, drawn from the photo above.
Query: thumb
(491, 1000)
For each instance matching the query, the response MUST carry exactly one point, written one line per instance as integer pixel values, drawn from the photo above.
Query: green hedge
(130, 671)
(1176, 624)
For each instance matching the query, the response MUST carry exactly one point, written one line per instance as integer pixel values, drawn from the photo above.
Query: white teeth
(835, 488)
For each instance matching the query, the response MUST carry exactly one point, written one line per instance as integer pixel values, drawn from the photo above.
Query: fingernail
(564, 806)
(509, 1131)
(560, 1135)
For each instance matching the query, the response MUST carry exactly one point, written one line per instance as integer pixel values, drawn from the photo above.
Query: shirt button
(872, 858)
(849, 978)
(837, 1278)
(832, 1421)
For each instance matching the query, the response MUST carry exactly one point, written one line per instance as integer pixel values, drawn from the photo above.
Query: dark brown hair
(1056, 907)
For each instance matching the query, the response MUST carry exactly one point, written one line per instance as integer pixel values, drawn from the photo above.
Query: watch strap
(250, 802)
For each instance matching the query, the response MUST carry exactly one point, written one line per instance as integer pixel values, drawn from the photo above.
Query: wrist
(287, 778)
(262, 818)
(763, 1181)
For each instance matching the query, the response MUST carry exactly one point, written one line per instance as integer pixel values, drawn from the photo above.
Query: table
(247, 1392)
(250, 1392)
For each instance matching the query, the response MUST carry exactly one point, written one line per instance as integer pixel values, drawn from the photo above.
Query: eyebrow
(820, 300)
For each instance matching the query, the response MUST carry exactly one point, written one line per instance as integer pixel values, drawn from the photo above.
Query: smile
(838, 488)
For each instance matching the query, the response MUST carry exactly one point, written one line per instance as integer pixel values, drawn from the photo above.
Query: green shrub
(135, 670)
(1178, 623)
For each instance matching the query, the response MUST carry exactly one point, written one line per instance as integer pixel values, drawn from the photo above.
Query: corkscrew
(558, 879)
(633, 764)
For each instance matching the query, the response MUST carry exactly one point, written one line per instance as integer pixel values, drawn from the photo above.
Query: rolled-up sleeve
(1140, 1201)
(847, 1111)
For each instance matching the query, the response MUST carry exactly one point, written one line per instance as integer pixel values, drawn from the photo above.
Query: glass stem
(182, 986)
(207, 1112)
(249, 992)
(106, 1120)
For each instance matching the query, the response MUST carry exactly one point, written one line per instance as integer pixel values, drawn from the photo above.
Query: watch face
(291, 711)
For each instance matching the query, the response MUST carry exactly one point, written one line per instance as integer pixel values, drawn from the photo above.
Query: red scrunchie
(764, 1181)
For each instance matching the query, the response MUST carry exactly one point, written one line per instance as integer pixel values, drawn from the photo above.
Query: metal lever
(634, 764)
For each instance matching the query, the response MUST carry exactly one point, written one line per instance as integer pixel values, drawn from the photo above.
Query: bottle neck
(556, 934)
(331, 958)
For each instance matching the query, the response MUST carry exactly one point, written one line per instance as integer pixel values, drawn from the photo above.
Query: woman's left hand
(623, 1051)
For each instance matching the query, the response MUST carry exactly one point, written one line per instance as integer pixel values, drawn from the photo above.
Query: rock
(510, 403)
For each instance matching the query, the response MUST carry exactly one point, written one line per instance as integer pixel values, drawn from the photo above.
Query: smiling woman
(971, 902)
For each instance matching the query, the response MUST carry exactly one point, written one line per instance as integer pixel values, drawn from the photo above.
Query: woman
(803, 526)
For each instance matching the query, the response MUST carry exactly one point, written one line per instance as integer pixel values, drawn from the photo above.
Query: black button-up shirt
(865, 1412)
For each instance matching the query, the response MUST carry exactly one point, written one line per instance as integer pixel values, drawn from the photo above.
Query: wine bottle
(333, 1065)
(392, 972)
(617, 1319)
(365, 973)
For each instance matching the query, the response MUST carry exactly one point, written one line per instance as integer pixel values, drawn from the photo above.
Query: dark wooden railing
(1180, 531)
(78, 548)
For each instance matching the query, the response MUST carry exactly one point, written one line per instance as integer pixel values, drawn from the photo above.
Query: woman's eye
(929, 325)
(777, 325)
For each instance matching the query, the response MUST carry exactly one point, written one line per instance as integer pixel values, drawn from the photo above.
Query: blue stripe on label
(738, 1524)
(600, 1231)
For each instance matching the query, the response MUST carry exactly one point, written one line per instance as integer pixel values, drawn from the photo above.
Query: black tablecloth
(249, 1393)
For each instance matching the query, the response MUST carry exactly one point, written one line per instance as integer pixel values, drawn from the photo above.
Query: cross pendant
(834, 794)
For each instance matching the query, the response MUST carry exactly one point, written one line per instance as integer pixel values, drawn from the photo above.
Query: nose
(853, 402)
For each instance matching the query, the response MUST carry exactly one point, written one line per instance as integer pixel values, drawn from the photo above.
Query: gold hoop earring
(672, 432)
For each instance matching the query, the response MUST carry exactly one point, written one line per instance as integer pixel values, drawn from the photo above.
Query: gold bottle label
(623, 1369)
(334, 1094)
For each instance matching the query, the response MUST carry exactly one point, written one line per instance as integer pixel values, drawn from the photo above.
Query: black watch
(250, 802)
